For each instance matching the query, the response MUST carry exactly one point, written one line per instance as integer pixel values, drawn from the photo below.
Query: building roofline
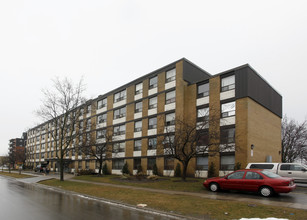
(193, 64)
(248, 66)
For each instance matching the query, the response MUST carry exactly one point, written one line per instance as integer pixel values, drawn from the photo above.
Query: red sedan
(262, 181)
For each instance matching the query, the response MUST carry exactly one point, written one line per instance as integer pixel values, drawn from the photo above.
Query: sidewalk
(37, 177)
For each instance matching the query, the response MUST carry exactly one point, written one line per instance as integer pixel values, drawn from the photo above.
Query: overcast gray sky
(113, 42)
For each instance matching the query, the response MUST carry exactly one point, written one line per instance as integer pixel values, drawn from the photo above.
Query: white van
(294, 170)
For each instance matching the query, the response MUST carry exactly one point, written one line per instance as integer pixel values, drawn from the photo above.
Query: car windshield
(270, 174)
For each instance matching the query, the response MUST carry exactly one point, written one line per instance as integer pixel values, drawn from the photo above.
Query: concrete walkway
(38, 177)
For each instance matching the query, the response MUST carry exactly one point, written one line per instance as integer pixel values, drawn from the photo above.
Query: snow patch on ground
(263, 218)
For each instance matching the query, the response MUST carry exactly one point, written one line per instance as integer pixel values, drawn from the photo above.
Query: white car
(294, 170)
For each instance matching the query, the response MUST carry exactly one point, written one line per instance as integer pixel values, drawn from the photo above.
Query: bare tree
(61, 108)
(99, 148)
(4, 161)
(294, 140)
(187, 139)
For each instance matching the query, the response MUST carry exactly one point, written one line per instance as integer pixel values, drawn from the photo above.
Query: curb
(115, 203)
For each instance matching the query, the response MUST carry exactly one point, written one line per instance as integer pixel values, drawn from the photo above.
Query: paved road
(24, 201)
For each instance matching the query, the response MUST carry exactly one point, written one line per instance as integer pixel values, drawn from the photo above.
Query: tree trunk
(100, 167)
(184, 172)
(61, 169)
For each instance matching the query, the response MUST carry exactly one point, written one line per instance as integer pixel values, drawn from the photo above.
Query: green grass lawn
(167, 183)
(180, 204)
(15, 175)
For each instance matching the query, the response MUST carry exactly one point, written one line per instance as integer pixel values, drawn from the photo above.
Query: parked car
(294, 170)
(39, 168)
(252, 180)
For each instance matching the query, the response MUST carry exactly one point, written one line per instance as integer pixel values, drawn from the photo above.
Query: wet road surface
(29, 202)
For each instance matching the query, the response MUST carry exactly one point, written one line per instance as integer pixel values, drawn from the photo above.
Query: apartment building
(17, 151)
(249, 111)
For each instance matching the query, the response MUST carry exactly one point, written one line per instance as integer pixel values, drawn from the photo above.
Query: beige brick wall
(258, 126)
(180, 84)
(214, 121)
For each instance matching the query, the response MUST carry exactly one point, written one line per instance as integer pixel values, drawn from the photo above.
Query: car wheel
(266, 191)
(214, 187)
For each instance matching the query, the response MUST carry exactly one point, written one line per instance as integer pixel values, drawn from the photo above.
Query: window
(227, 162)
(262, 166)
(137, 163)
(81, 111)
(137, 145)
(138, 88)
(119, 147)
(102, 103)
(79, 164)
(170, 97)
(228, 83)
(88, 138)
(101, 118)
(203, 114)
(119, 130)
(203, 90)
(228, 109)
(79, 152)
(202, 163)
(118, 164)
(138, 107)
(88, 124)
(170, 119)
(87, 165)
(228, 135)
(152, 143)
(152, 103)
(73, 152)
(97, 165)
(170, 75)
(81, 125)
(80, 139)
(120, 113)
(137, 126)
(292, 167)
(120, 96)
(253, 176)
(152, 123)
(168, 141)
(236, 175)
(89, 109)
(151, 161)
(100, 134)
(168, 164)
(153, 82)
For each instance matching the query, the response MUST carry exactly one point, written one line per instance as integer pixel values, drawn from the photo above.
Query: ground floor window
(136, 163)
(202, 163)
(118, 164)
(87, 165)
(151, 161)
(79, 164)
(97, 164)
(168, 163)
(227, 162)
